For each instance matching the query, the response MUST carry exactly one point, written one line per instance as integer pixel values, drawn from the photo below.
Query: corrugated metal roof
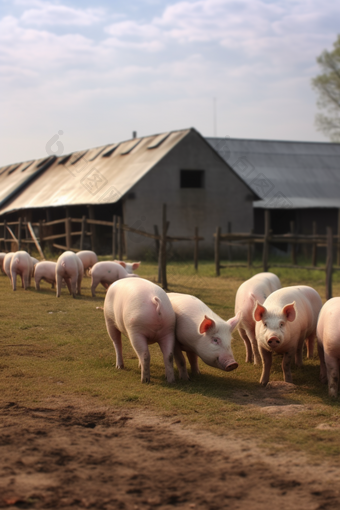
(285, 174)
(99, 175)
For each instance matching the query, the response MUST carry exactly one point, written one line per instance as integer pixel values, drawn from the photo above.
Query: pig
(255, 289)
(2, 256)
(70, 268)
(286, 318)
(328, 339)
(45, 270)
(201, 332)
(88, 258)
(141, 311)
(34, 260)
(7, 263)
(130, 267)
(106, 273)
(21, 264)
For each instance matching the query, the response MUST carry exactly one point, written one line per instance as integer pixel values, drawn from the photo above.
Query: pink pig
(7, 264)
(106, 273)
(141, 311)
(88, 258)
(328, 336)
(129, 266)
(201, 332)
(44, 270)
(286, 318)
(22, 265)
(255, 289)
(2, 256)
(71, 268)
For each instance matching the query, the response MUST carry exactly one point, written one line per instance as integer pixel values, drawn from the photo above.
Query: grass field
(60, 347)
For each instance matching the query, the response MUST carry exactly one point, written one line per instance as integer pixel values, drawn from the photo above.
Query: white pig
(88, 258)
(2, 256)
(71, 268)
(255, 289)
(7, 264)
(22, 265)
(328, 337)
(129, 266)
(141, 311)
(106, 273)
(201, 332)
(286, 318)
(44, 270)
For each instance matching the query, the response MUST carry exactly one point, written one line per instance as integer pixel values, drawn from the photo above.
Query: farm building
(133, 179)
(296, 181)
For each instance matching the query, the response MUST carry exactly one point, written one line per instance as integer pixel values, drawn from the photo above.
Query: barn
(296, 181)
(133, 179)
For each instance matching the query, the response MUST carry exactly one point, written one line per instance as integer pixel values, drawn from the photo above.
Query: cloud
(48, 14)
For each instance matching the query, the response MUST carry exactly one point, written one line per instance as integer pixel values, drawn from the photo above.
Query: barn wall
(224, 198)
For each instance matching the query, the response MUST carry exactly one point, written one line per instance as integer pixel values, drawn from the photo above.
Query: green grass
(60, 347)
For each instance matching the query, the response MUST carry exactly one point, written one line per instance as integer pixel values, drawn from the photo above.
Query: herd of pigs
(270, 319)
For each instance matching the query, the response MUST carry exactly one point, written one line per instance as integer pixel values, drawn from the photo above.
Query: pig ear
(135, 265)
(232, 323)
(121, 263)
(289, 312)
(206, 324)
(259, 310)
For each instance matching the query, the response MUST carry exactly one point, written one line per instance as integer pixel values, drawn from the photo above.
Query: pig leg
(116, 338)
(59, 281)
(14, 280)
(180, 362)
(193, 360)
(167, 347)
(68, 283)
(73, 282)
(267, 359)
(249, 351)
(37, 284)
(310, 345)
(286, 363)
(332, 365)
(323, 369)
(140, 345)
(94, 284)
(253, 341)
(79, 285)
(26, 280)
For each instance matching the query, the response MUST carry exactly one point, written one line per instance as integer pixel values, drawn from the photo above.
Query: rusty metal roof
(100, 175)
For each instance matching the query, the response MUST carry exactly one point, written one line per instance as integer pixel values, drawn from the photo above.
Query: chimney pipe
(134, 134)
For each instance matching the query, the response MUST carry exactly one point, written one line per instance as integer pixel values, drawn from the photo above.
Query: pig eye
(215, 341)
(281, 324)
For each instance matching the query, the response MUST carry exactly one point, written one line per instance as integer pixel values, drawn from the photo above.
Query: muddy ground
(70, 454)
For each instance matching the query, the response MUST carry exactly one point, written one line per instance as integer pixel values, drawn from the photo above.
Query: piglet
(46, 271)
(286, 318)
(70, 268)
(201, 332)
(106, 273)
(22, 265)
(88, 258)
(141, 311)
(129, 266)
(328, 338)
(255, 289)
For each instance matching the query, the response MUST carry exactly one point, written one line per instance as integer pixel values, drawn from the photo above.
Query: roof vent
(134, 134)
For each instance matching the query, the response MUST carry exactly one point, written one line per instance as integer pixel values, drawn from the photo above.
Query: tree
(327, 84)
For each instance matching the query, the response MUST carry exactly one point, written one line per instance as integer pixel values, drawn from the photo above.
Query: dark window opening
(192, 178)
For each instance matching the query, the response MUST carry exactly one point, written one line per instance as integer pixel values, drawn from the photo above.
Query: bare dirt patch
(72, 454)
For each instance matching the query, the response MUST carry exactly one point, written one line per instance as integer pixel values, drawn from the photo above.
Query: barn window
(192, 178)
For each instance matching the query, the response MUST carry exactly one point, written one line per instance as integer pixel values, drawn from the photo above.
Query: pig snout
(231, 365)
(273, 342)
(227, 364)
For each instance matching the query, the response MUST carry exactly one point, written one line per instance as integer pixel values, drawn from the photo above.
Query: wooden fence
(314, 240)
(88, 228)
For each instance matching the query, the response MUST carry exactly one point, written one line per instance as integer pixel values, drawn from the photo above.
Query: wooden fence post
(5, 234)
(68, 233)
(41, 234)
(338, 243)
(28, 245)
(196, 249)
(158, 252)
(120, 239)
(93, 229)
(315, 246)
(292, 231)
(250, 246)
(83, 232)
(165, 226)
(114, 237)
(230, 254)
(217, 251)
(265, 240)
(329, 263)
(19, 233)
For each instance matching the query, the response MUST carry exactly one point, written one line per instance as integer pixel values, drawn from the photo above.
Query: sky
(90, 73)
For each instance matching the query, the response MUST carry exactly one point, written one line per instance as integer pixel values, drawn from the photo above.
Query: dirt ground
(70, 454)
